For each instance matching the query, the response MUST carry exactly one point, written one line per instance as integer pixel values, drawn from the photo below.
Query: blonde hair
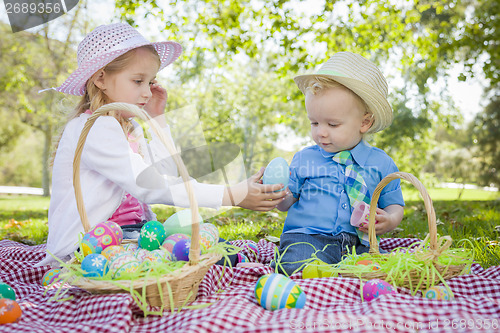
(319, 84)
(94, 97)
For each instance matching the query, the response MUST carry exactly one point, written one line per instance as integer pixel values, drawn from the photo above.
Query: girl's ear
(367, 122)
(99, 80)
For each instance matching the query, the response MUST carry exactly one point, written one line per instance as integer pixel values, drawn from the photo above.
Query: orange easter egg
(367, 262)
(10, 311)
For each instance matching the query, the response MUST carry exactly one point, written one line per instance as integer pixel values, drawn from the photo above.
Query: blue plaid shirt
(318, 182)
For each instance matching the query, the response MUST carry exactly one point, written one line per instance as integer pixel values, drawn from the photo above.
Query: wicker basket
(428, 255)
(177, 288)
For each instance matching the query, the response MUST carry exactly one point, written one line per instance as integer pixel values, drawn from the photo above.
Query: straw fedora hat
(362, 77)
(104, 44)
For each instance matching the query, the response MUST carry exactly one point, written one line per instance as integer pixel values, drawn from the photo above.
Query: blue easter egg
(277, 172)
(181, 250)
(94, 265)
(276, 291)
(180, 223)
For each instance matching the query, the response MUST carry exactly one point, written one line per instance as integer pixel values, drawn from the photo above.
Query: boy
(345, 99)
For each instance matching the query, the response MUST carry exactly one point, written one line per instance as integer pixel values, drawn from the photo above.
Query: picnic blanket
(333, 304)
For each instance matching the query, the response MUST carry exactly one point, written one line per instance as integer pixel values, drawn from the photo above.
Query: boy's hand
(386, 219)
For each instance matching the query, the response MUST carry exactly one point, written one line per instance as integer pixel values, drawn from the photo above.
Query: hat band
(131, 42)
(331, 72)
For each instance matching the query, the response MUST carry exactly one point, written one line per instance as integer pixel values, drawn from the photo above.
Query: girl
(117, 64)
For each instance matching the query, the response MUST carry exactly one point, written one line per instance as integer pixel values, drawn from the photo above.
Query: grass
(475, 217)
(24, 218)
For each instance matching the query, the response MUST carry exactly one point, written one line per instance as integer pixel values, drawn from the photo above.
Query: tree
(26, 74)
(485, 130)
(423, 39)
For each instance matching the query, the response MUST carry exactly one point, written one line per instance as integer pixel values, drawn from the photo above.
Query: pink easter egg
(376, 287)
(171, 240)
(101, 236)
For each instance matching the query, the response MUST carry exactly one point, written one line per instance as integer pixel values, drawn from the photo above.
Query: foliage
(23, 163)
(485, 131)
(242, 107)
(424, 38)
(24, 76)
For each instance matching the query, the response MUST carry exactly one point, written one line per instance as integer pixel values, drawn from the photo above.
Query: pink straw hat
(104, 44)
(362, 77)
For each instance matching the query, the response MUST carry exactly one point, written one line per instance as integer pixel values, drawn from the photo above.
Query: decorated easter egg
(180, 251)
(276, 291)
(207, 240)
(171, 240)
(140, 254)
(123, 263)
(252, 248)
(277, 172)
(10, 311)
(157, 256)
(50, 276)
(101, 236)
(6, 291)
(130, 247)
(376, 287)
(439, 293)
(95, 265)
(366, 262)
(152, 235)
(112, 251)
(210, 229)
(180, 223)
(242, 257)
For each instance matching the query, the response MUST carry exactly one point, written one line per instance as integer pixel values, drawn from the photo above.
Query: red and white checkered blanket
(333, 304)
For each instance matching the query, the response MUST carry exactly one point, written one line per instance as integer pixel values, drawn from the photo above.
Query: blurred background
(441, 59)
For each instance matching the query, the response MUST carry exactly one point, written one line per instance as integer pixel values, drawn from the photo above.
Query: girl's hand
(156, 104)
(386, 219)
(251, 194)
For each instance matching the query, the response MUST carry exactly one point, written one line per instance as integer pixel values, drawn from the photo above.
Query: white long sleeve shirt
(108, 169)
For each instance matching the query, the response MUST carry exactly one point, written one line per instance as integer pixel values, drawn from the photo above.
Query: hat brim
(76, 82)
(376, 103)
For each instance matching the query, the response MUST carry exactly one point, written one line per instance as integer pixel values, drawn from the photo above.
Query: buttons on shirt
(345, 206)
(339, 229)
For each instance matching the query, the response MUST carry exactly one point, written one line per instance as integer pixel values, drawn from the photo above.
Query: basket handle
(431, 214)
(194, 252)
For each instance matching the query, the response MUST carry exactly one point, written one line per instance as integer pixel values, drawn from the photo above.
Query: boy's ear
(367, 122)
(99, 80)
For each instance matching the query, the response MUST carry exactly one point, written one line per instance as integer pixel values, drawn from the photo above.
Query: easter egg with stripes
(171, 240)
(111, 251)
(122, 264)
(276, 291)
